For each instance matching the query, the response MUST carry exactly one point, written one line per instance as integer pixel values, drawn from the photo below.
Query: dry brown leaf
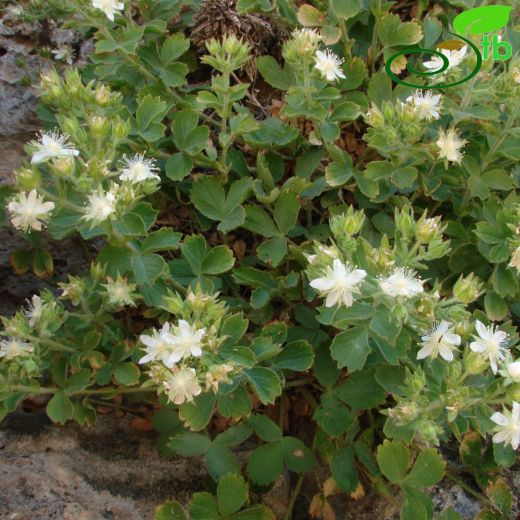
(316, 506)
(330, 487)
(358, 493)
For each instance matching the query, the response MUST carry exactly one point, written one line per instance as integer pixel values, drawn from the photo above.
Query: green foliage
(298, 273)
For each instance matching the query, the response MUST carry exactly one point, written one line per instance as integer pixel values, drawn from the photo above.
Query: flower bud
(513, 371)
(63, 166)
(99, 126)
(349, 223)
(426, 229)
(475, 363)
(375, 118)
(120, 129)
(405, 223)
(102, 95)
(467, 290)
(28, 178)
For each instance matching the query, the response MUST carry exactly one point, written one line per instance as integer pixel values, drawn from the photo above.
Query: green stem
(294, 496)
(95, 391)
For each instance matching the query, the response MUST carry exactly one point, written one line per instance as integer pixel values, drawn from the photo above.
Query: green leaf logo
(487, 18)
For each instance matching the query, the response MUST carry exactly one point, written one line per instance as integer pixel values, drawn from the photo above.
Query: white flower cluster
(31, 212)
(342, 281)
(175, 348)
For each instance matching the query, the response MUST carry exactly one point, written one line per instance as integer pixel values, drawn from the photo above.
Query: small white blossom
(455, 57)
(139, 169)
(64, 53)
(491, 343)
(329, 65)
(13, 348)
(109, 7)
(100, 206)
(182, 385)
(340, 283)
(159, 346)
(511, 371)
(508, 426)
(402, 282)
(186, 341)
(52, 145)
(515, 259)
(35, 310)
(29, 211)
(425, 105)
(439, 340)
(306, 39)
(450, 144)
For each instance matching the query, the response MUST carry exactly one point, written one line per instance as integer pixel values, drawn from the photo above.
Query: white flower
(340, 283)
(439, 340)
(109, 7)
(508, 426)
(29, 211)
(13, 348)
(100, 206)
(64, 53)
(306, 39)
(182, 385)
(139, 169)
(158, 346)
(185, 342)
(515, 259)
(511, 371)
(402, 282)
(52, 146)
(35, 310)
(449, 144)
(454, 58)
(329, 65)
(425, 105)
(491, 343)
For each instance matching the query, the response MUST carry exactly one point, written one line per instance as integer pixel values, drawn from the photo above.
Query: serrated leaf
(265, 464)
(60, 408)
(393, 32)
(350, 348)
(428, 469)
(232, 493)
(344, 470)
(393, 459)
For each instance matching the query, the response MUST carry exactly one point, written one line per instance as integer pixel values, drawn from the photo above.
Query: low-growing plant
(309, 243)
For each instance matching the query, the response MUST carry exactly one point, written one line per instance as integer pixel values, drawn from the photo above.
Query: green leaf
(170, 510)
(150, 110)
(272, 251)
(173, 48)
(355, 71)
(232, 493)
(346, 8)
(220, 460)
(393, 32)
(187, 136)
(449, 514)
(204, 506)
(344, 470)
(178, 166)
(218, 260)
(265, 383)
(265, 428)
(235, 404)
(194, 250)
(428, 469)
(147, 268)
(309, 16)
(190, 444)
(404, 177)
(127, 373)
(255, 513)
(258, 221)
(286, 211)
(298, 457)
(265, 464)
(393, 459)
(333, 417)
(273, 73)
(361, 391)
(350, 348)
(504, 456)
(60, 407)
(43, 264)
(272, 133)
(297, 355)
(165, 239)
(197, 413)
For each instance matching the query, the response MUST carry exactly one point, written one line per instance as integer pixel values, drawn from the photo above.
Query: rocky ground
(110, 470)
